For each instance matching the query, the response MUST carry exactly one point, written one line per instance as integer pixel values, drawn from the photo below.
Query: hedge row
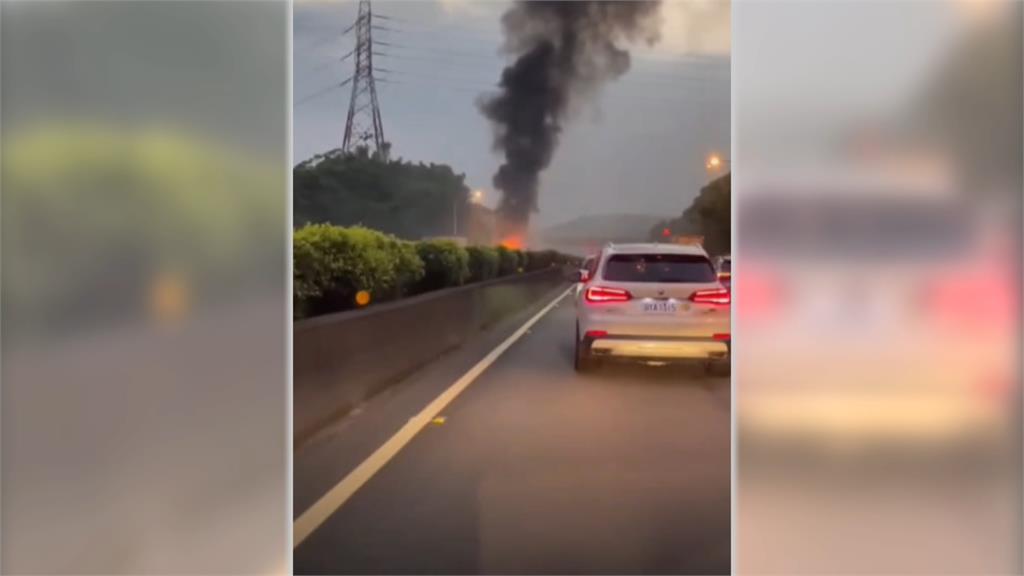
(339, 268)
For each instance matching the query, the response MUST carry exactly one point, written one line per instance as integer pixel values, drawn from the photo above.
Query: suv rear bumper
(659, 348)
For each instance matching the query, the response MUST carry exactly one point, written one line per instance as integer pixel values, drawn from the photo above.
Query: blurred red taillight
(762, 295)
(725, 337)
(600, 295)
(974, 299)
(712, 296)
(596, 334)
(996, 389)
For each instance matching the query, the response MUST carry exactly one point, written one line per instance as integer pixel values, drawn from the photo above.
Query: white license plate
(660, 307)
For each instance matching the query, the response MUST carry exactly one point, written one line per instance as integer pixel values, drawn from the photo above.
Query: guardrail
(340, 360)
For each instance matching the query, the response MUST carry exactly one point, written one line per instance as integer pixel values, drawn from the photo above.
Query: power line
(431, 76)
(447, 30)
(635, 76)
(363, 123)
(700, 63)
(698, 66)
(682, 82)
(333, 61)
(447, 52)
(321, 92)
(482, 86)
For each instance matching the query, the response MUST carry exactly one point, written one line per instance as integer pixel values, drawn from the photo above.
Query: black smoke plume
(564, 51)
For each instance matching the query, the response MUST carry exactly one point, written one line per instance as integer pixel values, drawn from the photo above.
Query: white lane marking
(319, 512)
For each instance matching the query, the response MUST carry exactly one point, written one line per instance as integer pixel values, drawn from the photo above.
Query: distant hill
(621, 227)
(588, 233)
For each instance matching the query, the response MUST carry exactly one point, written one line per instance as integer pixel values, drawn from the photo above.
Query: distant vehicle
(654, 303)
(688, 240)
(585, 272)
(588, 267)
(723, 265)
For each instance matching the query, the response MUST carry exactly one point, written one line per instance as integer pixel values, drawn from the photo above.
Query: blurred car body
(652, 302)
(872, 316)
(723, 265)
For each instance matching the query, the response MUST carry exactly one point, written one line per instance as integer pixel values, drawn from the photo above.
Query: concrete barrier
(340, 360)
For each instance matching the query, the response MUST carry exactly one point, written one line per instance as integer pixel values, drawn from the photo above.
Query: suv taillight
(600, 295)
(765, 296)
(712, 296)
(974, 299)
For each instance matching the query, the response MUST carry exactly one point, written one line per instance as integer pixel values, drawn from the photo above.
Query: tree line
(709, 215)
(406, 199)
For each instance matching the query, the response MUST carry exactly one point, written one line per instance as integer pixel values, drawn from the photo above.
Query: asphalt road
(536, 469)
(162, 437)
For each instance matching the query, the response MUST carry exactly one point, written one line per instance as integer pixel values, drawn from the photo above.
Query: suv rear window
(666, 268)
(862, 228)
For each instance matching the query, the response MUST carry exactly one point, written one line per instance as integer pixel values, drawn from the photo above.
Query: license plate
(660, 307)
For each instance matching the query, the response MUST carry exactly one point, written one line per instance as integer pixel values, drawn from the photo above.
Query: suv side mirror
(583, 275)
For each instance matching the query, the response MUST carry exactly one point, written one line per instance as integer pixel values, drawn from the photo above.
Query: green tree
(709, 215)
(402, 198)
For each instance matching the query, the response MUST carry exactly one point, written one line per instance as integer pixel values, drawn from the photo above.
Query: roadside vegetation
(343, 268)
(709, 215)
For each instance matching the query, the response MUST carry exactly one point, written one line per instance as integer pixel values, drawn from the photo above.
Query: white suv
(655, 303)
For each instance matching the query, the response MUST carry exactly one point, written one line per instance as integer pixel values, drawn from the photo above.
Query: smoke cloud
(565, 52)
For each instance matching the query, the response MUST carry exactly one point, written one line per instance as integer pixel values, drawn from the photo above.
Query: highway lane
(538, 469)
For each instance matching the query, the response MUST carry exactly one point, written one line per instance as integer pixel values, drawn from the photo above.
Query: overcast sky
(638, 148)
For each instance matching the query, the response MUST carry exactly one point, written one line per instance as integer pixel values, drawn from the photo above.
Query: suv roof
(655, 248)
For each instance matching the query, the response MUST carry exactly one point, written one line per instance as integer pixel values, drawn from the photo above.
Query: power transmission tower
(363, 125)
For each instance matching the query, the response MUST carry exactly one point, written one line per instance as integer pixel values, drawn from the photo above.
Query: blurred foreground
(877, 287)
(533, 469)
(144, 287)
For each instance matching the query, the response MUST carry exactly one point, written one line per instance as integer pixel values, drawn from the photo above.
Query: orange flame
(512, 242)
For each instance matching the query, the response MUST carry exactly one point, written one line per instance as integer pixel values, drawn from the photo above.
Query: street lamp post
(475, 197)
